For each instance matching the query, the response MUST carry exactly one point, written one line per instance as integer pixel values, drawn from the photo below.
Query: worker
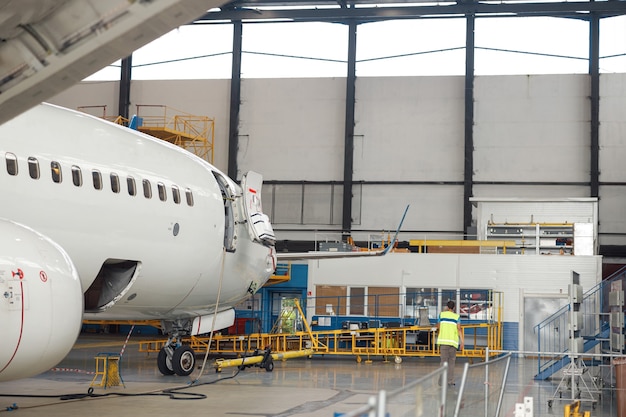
(449, 334)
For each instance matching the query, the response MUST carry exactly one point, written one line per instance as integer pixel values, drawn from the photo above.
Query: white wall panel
(612, 127)
(530, 191)
(105, 93)
(612, 213)
(409, 129)
(421, 216)
(292, 129)
(531, 128)
(507, 274)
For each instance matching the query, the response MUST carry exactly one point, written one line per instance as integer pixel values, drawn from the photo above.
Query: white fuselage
(178, 247)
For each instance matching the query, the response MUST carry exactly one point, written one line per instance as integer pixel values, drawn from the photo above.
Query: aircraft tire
(183, 361)
(164, 365)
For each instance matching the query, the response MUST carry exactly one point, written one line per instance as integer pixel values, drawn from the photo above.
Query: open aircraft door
(259, 224)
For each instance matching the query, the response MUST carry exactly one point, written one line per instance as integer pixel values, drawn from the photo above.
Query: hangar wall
(531, 138)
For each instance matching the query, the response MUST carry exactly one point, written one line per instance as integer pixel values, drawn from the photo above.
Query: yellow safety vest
(448, 331)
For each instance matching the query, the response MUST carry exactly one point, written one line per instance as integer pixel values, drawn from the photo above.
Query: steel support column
(124, 92)
(468, 172)
(235, 101)
(348, 160)
(594, 73)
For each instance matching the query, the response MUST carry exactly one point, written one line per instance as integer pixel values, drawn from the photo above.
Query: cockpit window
(11, 163)
(57, 175)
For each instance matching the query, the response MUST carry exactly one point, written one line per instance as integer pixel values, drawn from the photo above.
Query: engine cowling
(41, 302)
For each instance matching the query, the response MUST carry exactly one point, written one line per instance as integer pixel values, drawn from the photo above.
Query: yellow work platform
(412, 341)
(194, 133)
(460, 246)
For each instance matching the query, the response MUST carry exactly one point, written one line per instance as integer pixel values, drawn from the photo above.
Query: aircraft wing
(49, 45)
(299, 256)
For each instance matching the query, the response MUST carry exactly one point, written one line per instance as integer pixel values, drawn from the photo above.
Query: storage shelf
(535, 238)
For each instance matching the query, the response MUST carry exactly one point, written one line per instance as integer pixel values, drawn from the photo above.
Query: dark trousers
(448, 354)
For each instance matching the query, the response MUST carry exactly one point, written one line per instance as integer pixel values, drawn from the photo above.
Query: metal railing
(480, 394)
(424, 396)
(553, 333)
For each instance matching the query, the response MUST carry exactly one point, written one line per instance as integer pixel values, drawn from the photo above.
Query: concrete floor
(320, 386)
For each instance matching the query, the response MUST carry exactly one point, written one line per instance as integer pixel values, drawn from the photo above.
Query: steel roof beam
(580, 10)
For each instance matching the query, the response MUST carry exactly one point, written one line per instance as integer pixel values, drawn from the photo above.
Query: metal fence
(480, 394)
(426, 396)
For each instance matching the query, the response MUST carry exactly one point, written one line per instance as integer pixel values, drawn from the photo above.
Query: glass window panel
(176, 194)
(130, 183)
(77, 176)
(162, 191)
(33, 168)
(97, 179)
(55, 168)
(147, 189)
(11, 160)
(357, 300)
(115, 183)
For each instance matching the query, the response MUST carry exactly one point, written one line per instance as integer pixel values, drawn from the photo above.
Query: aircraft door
(228, 195)
(259, 224)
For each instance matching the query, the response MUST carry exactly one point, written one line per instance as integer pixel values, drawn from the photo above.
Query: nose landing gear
(179, 360)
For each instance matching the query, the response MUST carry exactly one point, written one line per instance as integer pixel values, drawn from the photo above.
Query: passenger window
(175, 194)
(55, 167)
(97, 179)
(115, 183)
(189, 197)
(77, 176)
(130, 182)
(147, 189)
(33, 168)
(162, 192)
(11, 163)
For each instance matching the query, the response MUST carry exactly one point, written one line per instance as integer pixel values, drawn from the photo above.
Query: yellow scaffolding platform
(193, 133)
(398, 342)
(383, 342)
(460, 246)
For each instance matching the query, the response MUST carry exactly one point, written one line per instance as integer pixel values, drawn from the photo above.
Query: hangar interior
(530, 164)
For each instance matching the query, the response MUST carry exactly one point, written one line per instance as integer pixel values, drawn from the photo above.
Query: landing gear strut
(174, 357)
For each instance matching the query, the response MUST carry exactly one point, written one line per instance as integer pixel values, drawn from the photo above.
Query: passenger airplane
(99, 221)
